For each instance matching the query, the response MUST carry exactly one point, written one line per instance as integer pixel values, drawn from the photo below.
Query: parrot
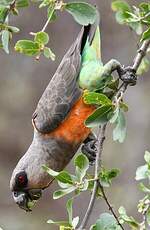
(58, 120)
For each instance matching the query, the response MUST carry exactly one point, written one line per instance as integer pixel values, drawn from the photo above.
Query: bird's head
(29, 178)
(24, 196)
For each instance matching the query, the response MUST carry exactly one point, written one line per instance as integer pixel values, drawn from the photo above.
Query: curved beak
(27, 199)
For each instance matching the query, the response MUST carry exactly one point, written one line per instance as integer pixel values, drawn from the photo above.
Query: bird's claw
(129, 76)
(89, 149)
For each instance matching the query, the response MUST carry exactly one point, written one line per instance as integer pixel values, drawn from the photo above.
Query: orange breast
(72, 129)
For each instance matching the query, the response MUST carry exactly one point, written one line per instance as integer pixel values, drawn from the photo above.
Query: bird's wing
(62, 91)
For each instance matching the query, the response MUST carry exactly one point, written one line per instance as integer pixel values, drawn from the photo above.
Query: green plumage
(93, 75)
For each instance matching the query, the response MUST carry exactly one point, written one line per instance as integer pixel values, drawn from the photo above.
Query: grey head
(25, 198)
(28, 178)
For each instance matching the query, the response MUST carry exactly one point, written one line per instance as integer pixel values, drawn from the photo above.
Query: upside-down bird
(59, 117)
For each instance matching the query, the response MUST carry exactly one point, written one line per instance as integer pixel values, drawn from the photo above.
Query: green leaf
(52, 16)
(48, 53)
(122, 9)
(99, 116)
(113, 173)
(45, 3)
(82, 12)
(147, 157)
(119, 132)
(125, 15)
(59, 223)
(145, 7)
(143, 188)
(13, 29)
(129, 220)
(115, 115)
(141, 172)
(63, 185)
(120, 5)
(5, 40)
(60, 193)
(93, 98)
(93, 227)
(144, 66)
(27, 47)
(51, 12)
(137, 27)
(22, 3)
(42, 38)
(106, 221)
(82, 164)
(69, 210)
(50, 171)
(106, 176)
(146, 35)
(75, 222)
(3, 14)
(120, 18)
(64, 177)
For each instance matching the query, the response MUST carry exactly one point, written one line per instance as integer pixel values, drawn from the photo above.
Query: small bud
(32, 33)
(37, 58)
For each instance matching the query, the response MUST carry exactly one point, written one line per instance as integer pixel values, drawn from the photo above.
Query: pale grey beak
(27, 199)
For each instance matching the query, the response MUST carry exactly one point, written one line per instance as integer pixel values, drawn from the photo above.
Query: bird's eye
(21, 180)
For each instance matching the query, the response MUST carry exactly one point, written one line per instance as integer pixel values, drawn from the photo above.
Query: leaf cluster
(107, 221)
(107, 111)
(7, 8)
(81, 181)
(138, 19)
(82, 12)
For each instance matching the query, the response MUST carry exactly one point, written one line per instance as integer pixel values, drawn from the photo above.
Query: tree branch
(109, 205)
(100, 142)
(101, 137)
(141, 54)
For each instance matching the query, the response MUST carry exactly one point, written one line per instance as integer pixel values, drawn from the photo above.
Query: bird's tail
(91, 42)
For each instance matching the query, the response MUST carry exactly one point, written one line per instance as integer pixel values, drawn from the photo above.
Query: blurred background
(22, 81)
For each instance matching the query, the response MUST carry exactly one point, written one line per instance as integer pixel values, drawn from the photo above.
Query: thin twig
(46, 24)
(109, 205)
(141, 54)
(100, 142)
(58, 6)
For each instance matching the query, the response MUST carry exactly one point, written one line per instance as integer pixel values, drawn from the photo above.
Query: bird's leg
(113, 65)
(89, 147)
(127, 75)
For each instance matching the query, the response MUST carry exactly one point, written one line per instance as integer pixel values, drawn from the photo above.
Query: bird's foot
(89, 149)
(128, 76)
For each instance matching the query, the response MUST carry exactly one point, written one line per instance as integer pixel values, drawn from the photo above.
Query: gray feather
(62, 91)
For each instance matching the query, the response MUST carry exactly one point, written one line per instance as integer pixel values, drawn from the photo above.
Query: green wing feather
(91, 74)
